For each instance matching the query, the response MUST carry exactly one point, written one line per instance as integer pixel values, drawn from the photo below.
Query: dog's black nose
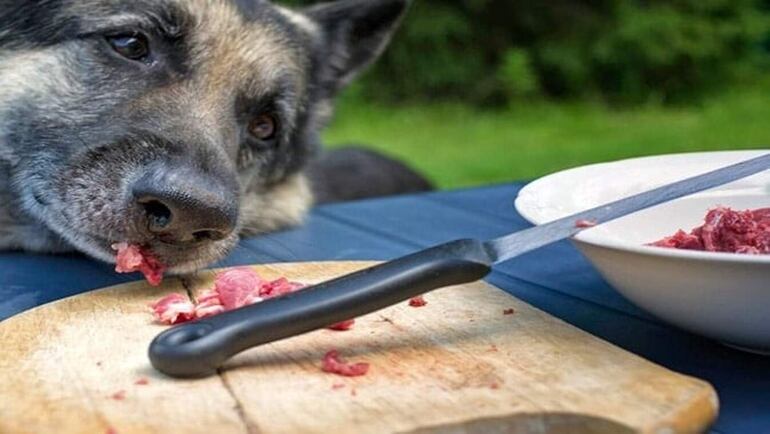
(184, 207)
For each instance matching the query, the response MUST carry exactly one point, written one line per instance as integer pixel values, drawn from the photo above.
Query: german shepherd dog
(178, 124)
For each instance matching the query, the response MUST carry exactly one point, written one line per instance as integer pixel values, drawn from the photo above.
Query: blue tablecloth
(556, 279)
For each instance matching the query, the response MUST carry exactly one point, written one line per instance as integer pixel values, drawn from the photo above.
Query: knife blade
(201, 347)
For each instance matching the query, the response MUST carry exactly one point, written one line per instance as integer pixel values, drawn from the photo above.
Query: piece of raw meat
(584, 224)
(173, 309)
(342, 326)
(233, 289)
(334, 364)
(726, 230)
(278, 287)
(208, 304)
(418, 301)
(238, 287)
(130, 258)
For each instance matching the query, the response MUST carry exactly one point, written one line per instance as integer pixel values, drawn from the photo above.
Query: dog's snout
(183, 207)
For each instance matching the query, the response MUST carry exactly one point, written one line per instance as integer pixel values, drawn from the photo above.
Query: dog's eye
(263, 127)
(131, 46)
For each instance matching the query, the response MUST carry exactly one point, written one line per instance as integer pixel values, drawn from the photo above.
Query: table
(556, 279)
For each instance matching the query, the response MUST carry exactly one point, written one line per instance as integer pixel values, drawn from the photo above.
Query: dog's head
(174, 124)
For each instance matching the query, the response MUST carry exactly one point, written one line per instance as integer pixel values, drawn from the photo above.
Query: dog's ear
(355, 33)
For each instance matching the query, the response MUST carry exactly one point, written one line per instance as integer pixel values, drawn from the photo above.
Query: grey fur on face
(81, 124)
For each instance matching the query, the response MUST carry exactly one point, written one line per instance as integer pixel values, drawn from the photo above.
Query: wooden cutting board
(456, 365)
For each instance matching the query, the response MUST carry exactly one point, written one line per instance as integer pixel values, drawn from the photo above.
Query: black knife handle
(199, 348)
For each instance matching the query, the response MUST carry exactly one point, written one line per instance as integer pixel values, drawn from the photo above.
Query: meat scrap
(278, 287)
(584, 224)
(342, 326)
(236, 288)
(142, 382)
(726, 230)
(334, 364)
(173, 309)
(130, 258)
(119, 395)
(233, 289)
(418, 301)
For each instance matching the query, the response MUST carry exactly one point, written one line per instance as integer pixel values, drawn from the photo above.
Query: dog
(179, 125)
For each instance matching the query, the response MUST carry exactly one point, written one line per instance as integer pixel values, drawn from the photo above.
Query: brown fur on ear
(283, 205)
(356, 33)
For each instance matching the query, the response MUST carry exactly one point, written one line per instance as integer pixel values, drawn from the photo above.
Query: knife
(201, 347)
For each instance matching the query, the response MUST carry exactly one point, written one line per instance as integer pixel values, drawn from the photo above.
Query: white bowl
(720, 295)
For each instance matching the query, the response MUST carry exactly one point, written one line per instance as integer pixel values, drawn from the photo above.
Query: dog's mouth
(97, 241)
(174, 259)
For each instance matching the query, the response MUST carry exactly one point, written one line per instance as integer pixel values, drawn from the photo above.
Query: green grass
(459, 146)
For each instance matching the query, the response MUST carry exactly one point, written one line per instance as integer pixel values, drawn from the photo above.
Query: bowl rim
(594, 239)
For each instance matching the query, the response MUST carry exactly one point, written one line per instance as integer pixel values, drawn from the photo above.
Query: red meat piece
(334, 364)
(726, 230)
(418, 301)
(142, 382)
(585, 224)
(119, 395)
(238, 287)
(342, 326)
(173, 309)
(208, 305)
(233, 289)
(131, 258)
(681, 240)
(278, 287)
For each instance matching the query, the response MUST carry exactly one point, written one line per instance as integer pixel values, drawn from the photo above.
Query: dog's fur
(78, 123)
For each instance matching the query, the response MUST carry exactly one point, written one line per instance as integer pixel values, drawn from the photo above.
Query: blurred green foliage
(457, 145)
(494, 52)
(517, 75)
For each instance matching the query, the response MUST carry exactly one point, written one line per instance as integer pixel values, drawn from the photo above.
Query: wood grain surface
(457, 365)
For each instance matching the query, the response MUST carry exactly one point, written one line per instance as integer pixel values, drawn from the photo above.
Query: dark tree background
(493, 52)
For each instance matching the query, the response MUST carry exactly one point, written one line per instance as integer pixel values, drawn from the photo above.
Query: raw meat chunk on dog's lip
(131, 257)
(128, 257)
